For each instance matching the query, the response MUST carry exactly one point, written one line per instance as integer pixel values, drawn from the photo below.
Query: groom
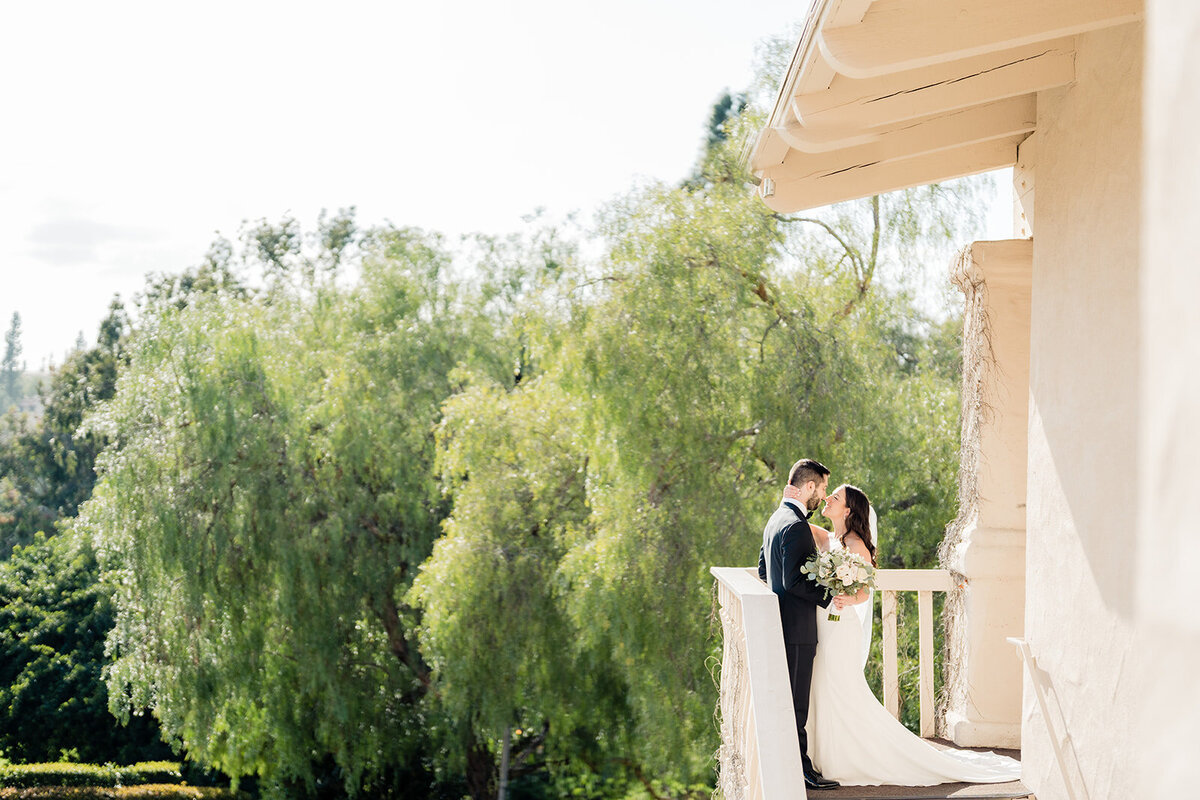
(787, 544)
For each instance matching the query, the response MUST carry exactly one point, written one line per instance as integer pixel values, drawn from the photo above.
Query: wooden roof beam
(795, 195)
(892, 98)
(817, 74)
(847, 12)
(1000, 120)
(899, 35)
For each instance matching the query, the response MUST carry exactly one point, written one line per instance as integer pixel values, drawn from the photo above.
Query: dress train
(852, 738)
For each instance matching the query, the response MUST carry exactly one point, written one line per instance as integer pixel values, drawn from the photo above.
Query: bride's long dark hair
(859, 519)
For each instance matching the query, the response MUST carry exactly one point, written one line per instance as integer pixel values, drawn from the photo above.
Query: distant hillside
(28, 400)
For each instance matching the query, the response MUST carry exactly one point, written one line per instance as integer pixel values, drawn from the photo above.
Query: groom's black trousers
(800, 664)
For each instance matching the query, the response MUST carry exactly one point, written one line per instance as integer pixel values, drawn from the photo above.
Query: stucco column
(1167, 643)
(985, 544)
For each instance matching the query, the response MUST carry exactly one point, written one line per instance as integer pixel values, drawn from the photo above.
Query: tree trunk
(502, 794)
(481, 771)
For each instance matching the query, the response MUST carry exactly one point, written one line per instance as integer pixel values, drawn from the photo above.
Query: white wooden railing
(924, 582)
(760, 753)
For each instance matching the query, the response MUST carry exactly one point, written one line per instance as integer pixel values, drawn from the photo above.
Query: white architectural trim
(853, 105)
(868, 179)
(826, 153)
(898, 35)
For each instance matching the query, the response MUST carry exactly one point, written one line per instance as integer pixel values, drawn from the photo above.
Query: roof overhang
(885, 94)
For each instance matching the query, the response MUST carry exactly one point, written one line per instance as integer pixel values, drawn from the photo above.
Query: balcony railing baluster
(924, 582)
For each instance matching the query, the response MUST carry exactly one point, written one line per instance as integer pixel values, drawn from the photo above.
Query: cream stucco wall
(1083, 423)
(1169, 542)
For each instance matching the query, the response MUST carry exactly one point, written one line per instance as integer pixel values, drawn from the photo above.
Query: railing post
(925, 659)
(760, 752)
(924, 582)
(891, 668)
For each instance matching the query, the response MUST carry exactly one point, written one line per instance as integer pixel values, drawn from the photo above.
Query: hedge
(98, 775)
(154, 791)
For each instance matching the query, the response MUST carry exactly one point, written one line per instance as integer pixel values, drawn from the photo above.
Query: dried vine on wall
(979, 364)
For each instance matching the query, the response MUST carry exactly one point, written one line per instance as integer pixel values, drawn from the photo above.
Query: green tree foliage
(54, 613)
(717, 343)
(867, 261)
(284, 255)
(505, 653)
(713, 369)
(46, 464)
(54, 616)
(359, 525)
(677, 388)
(267, 503)
(724, 112)
(214, 276)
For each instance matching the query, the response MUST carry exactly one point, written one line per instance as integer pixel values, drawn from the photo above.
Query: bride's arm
(820, 536)
(843, 600)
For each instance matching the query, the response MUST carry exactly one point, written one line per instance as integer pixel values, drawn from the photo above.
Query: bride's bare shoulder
(855, 544)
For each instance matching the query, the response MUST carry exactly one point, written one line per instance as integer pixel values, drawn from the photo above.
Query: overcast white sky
(131, 132)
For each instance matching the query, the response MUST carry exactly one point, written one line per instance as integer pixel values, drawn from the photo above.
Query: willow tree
(712, 345)
(705, 378)
(506, 654)
(261, 512)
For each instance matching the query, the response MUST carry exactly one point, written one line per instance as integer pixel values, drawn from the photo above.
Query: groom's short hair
(805, 470)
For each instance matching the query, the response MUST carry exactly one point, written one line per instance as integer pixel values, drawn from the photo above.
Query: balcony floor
(943, 791)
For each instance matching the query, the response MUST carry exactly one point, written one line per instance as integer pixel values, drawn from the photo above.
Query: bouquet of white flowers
(840, 572)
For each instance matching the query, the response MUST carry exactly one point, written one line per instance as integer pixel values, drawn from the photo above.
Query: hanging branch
(851, 252)
(864, 269)
(389, 615)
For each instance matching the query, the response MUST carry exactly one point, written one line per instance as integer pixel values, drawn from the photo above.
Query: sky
(132, 133)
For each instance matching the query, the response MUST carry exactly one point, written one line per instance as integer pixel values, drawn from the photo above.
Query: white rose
(862, 574)
(846, 573)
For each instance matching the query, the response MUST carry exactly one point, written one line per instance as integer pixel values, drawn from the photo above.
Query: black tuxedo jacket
(787, 544)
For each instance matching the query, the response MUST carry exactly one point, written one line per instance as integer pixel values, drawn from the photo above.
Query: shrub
(154, 791)
(64, 774)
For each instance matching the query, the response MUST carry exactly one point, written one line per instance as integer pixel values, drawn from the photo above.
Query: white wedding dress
(852, 738)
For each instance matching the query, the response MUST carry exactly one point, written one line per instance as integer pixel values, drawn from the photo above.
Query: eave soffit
(881, 95)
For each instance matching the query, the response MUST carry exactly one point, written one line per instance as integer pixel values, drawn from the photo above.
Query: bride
(851, 737)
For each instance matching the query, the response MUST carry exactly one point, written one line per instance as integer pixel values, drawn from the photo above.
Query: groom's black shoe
(815, 780)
